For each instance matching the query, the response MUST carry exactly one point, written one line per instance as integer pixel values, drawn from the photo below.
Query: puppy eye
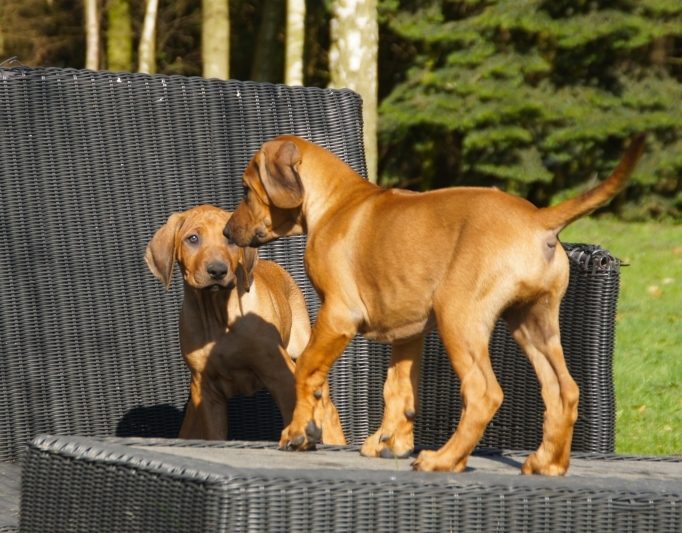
(246, 189)
(193, 239)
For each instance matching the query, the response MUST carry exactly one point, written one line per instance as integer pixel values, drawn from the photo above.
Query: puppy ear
(248, 260)
(160, 253)
(279, 174)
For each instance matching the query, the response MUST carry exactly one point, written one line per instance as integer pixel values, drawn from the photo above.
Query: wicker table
(86, 484)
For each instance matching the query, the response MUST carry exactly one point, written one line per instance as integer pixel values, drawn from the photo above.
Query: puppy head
(273, 194)
(207, 260)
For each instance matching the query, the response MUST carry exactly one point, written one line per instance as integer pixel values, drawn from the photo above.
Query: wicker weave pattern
(135, 490)
(93, 163)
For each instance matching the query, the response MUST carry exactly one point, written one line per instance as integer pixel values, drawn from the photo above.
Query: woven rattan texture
(88, 486)
(93, 163)
(10, 474)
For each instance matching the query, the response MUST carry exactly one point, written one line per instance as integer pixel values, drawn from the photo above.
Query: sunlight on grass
(648, 358)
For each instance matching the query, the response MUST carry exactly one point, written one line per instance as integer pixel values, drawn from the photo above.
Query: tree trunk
(215, 39)
(295, 39)
(353, 63)
(267, 63)
(91, 35)
(147, 52)
(119, 37)
(2, 37)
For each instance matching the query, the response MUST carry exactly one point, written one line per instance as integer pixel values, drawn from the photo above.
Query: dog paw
(387, 446)
(435, 461)
(291, 441)
(313, 431)
(533, 466)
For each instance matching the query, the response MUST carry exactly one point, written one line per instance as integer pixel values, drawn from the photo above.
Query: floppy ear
(248, 260)
(279, 174)
(160, 253)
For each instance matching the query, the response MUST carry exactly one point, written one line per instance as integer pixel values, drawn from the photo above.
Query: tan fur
(393, 265)
(241, 323)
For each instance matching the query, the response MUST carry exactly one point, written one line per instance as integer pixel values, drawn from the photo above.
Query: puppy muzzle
(241, 237)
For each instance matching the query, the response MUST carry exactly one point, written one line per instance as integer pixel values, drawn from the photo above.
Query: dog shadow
(153, 422)
(252, 417)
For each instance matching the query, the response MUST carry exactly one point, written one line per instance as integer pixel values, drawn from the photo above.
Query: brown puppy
(393, 264)
(242, 321)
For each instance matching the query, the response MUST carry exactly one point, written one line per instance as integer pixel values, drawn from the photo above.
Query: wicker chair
(94, 162)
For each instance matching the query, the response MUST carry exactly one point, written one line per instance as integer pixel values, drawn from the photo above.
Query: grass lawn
(648, 357)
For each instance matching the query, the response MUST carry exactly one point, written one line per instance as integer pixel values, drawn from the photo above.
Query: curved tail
(559, 216)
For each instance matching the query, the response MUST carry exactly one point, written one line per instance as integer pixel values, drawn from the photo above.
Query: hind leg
(465, 334)
(535, 327)
(395, 437)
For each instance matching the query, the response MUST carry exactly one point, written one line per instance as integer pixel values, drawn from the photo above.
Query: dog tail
(559, 216)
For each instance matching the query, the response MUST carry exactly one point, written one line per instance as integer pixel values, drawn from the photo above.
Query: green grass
(648, 355)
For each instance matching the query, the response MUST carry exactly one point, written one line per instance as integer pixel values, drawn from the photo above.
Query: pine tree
(533, 96)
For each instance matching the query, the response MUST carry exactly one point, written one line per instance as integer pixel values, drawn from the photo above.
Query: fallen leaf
(654, 290)
(641, 408)
(668, 281)
(677, 250)
(666, 429)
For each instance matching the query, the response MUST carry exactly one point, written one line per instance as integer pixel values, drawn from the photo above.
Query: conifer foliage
(533, 96)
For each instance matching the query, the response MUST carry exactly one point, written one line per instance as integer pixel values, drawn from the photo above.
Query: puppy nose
(217, 270)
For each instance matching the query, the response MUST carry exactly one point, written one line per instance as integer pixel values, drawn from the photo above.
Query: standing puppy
(242, 321)
(394, 264)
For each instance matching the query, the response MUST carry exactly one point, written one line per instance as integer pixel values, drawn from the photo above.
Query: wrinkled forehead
(206, 219)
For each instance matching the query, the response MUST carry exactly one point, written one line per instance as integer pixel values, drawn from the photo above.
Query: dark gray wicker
(94, 162)
(75, 484)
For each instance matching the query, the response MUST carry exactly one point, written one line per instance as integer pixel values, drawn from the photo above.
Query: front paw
(436, 461)
(297, 441)
(534, 466)
(386, 446)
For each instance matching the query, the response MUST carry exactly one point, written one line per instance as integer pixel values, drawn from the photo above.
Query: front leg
(191, 425)
(332, 332)
(395, 437)
(211, 407)
(275, 369)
